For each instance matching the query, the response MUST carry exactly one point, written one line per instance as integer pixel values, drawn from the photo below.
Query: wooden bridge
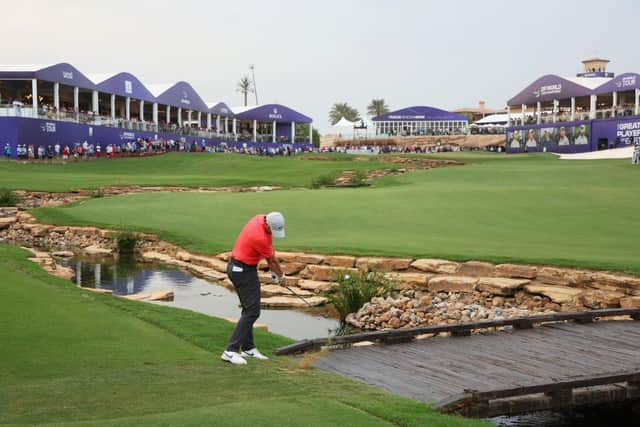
(566, 360)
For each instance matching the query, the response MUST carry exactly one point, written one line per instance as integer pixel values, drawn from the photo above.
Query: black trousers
(247, 287)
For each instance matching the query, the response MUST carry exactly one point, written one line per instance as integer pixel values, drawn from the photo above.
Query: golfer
(254, 243)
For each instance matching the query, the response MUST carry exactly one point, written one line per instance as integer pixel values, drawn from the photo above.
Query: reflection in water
(618, 415)
(127, 276)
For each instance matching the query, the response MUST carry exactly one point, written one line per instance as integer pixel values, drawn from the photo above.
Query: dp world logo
(48, 127)
(275, 114)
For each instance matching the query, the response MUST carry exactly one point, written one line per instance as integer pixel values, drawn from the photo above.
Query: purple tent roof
(419, 114)
(63, 73)
(182, 95)
(273, 112)
(626, 81)
(548, 88)
(125, 84)
(221, 109)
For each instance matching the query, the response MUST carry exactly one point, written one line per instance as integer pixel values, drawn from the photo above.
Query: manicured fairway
(76, 358)
(499, 208)
(177, 169)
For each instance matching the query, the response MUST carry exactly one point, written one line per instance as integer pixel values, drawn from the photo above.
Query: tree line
(342, 109)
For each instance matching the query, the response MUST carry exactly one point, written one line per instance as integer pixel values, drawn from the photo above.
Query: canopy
(126, 85)
(182, 95)
(221, 109)
(420, 113)
(548, 88)
(270, 113)
(343, 123)
(63, 73)
(626, 81)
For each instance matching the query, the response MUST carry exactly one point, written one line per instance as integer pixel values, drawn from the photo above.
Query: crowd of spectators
(139, 147)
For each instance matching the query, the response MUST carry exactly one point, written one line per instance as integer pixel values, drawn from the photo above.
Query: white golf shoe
(254, 353)
(233, 357)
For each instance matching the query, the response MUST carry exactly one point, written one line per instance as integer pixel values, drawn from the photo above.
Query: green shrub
(8, 197)
(358, 179)
(354, 290)
(97, 193)
(126, 242)
(323, 181)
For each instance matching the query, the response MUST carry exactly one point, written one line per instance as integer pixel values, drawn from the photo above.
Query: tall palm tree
(377, 107)
(245, 87)
(340, 110)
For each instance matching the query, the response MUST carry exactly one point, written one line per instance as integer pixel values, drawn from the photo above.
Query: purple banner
(273, 113)
(548, 88)
(420, 113)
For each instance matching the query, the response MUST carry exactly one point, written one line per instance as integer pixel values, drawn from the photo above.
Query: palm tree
(342, 109)
(377, 107)
(245, 87)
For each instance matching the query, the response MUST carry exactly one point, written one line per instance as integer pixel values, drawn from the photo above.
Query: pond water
(618, 415)
(127, 276)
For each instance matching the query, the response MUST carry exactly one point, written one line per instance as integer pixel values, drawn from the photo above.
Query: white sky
(307, 55)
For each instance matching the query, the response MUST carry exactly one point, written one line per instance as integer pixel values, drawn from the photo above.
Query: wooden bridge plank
(442, 368)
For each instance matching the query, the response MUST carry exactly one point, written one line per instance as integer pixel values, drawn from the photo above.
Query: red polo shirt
(254, 242)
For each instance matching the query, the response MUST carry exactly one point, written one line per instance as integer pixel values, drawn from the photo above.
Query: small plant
(354, 290)
(126, 242)
(9, 198)
(97, 193)
(358, 179)
(323, 181)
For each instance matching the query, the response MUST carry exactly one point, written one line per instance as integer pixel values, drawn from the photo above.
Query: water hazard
(126, 276)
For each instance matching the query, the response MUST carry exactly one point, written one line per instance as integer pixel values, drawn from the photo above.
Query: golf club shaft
(299, 296)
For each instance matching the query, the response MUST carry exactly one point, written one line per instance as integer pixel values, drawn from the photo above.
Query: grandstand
(592, 111)
(58, 104)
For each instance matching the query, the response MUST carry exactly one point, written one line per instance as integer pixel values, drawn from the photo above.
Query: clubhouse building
(592, 111)
(419, 121)
(58, 104)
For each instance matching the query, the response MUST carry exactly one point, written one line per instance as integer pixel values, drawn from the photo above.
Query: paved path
(614, 153)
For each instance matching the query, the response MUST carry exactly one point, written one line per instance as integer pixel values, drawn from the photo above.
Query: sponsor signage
(67, 75)
(628, 129)
(629, 81)
(48, 127)
(417, 117)
(127, 135)
(275, 114)
(185, 98)
(548, 90)
(128, 86)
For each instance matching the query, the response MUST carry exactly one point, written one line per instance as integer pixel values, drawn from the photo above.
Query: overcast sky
(310, 54)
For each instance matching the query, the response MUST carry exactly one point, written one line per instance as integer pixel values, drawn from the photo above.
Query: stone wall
(427, 290)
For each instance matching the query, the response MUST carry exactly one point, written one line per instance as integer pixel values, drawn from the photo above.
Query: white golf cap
(275, 221)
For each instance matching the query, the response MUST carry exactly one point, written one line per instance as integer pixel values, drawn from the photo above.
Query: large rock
(382, 264)
(300, 257)
(163, 258)
(206, 272)
(317, 286)
(290, 268)
(224, 256)
(152, 296)
(62, 254)
(6, 222)
(516, 271)
(596, 299)
(601, 279)
(37, 230)
(500, 285)
(62, 272)
(324, 273)
(212, 262)
(340, 261)
(100, 291)
(476, 269)
(292, 301)
(630, 302)
(439, 266)
(557, 293)
(453, 284)
(273, 290)
(97, 250)
(416, 281)
(564, 276)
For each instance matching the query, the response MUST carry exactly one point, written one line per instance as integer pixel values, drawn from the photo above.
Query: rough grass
(533, 208)
(72, 357)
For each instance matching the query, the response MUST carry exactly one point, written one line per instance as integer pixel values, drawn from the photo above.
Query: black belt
(245, 267)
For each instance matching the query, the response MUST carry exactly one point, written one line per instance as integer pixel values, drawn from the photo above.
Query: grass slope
(532, 208)
(71, 357)
(178, 169)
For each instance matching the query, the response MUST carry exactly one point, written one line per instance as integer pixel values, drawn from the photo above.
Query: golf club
(274, 277)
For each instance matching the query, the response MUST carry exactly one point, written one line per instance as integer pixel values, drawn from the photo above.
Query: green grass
(71, 357)
(533, 208)
(177, 169)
